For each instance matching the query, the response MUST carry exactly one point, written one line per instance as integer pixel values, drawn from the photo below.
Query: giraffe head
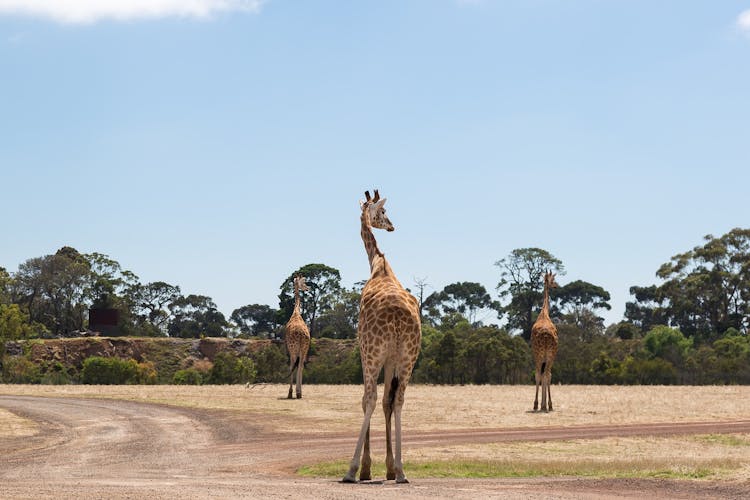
(374, 210)
(549, 280)
(299, 283)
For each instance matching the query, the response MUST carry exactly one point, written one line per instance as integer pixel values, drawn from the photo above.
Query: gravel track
(96, 448)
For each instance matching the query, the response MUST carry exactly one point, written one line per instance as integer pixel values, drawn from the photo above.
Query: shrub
(189, 376)
(145, 373)
(57, 374)
(271, 365)
(229, 369)
(109, 371)
(19, 370)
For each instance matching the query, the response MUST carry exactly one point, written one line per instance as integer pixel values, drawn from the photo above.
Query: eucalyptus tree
(521, 285)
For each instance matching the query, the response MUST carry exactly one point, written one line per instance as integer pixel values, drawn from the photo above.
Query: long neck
(296, 299)
(371, 246)
(545, 304)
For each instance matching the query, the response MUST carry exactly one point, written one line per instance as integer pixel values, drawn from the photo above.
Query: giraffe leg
(544, 386)
(536, 395)
(549, 384)
(398, 403)
(365, 472)
(300, 367)
(368, 405)
(390, 384)
(291, 376)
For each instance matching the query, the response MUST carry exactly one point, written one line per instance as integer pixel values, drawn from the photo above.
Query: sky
(219, 145)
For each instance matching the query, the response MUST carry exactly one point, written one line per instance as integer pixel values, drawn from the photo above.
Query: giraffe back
(389, 324)
(297, 335)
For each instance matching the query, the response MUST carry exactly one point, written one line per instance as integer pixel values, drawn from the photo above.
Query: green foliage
(463, 298)
(271, 364)
(464, 354)
(257, 320)
(325, 286)
(188, 376)
(704, 290)
(14, 324)
(57, 374)
(113, 371)
(20, 370)
(662, 341)
(230, 369)
(196, 316)
(339, 366)
(521, 282)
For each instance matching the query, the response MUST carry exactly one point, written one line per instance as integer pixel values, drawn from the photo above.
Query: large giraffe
(297, 338)
(544, 347)
(389, 337)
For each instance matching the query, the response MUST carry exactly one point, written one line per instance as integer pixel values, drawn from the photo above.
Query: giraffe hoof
(402, 480)
(390, 476)
(348, 479)
(299, 396)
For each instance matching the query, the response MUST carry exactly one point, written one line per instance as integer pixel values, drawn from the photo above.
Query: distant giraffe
(544, 347)
(297, 338)
(389, 337)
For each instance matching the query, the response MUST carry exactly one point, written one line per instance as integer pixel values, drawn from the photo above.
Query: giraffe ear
(379, 204)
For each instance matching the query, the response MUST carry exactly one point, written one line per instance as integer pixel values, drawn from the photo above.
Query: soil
(95, 448)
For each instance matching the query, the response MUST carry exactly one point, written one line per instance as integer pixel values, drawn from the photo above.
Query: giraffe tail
(296, 364)
(392, 392)
(544, 365)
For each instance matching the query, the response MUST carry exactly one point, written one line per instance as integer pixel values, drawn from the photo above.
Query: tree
(342, 319)
(421, 285)
(151, 304)
(521, 282)
(464, 298)
(324, 283)
(196, 316)
(108, 281)
(6, 286)
(648, 309)
(256, 319)
(53, 290)
(705, 291)
(577, 303)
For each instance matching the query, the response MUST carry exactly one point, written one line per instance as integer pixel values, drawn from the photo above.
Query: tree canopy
(521, 285)
(705, 291)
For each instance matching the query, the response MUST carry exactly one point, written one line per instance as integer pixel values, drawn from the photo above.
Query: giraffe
(389, 334)
(297, 339)
(544, 346)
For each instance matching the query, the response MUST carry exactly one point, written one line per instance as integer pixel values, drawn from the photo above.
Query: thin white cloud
(91, 11)
(743, 21)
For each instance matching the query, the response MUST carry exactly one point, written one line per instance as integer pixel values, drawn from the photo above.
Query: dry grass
(338, 407)
(14, 426)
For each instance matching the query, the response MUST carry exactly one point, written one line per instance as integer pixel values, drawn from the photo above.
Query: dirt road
(87, 448)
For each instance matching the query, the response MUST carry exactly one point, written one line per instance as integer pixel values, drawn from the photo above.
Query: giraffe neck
(545, 304)
(296, 300)
(371, 246)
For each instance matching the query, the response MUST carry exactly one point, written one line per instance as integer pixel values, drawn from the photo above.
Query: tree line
(690, 328)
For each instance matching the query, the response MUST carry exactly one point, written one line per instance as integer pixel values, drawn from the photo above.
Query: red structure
(104, 321)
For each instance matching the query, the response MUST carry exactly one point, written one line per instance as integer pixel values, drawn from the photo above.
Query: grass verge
(484, 469)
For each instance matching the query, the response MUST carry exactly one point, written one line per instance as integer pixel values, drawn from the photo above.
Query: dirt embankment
(74, 351)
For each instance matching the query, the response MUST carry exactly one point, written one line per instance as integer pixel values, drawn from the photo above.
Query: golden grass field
(336, 409)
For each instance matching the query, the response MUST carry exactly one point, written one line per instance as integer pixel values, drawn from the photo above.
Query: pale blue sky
(221, 150)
